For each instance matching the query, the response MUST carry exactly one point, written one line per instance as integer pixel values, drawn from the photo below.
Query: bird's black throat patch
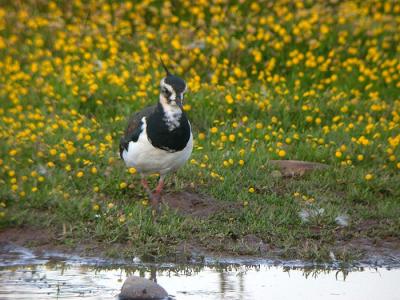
(161, 137)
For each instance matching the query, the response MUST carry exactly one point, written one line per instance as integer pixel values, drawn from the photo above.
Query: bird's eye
(166, 92)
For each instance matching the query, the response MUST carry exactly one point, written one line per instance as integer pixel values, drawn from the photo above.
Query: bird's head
(173, 89)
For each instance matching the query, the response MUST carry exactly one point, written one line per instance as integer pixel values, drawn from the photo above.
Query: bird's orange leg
(159, 187)
(146, 187)
(155, 201)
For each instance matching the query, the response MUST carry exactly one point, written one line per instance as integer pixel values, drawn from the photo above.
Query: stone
(136, 287)
(342, 220)
(291, 168)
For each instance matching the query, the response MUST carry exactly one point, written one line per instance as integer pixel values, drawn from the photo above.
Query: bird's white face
(172, 96)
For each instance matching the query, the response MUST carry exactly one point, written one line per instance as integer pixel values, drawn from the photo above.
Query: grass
(316, 81)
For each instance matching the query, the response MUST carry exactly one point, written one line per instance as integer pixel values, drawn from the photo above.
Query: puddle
(57, 276)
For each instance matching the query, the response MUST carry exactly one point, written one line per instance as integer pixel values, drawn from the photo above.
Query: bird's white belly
(148, 159)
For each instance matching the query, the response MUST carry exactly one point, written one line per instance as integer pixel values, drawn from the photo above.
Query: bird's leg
(146, 187)
(155, 201)
(159, 187)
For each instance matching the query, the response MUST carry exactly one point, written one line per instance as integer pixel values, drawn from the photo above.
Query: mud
(196, 205)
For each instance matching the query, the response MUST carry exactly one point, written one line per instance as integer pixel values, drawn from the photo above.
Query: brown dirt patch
(24, 235)
(196, 205)
(43, 240)
(199, 206)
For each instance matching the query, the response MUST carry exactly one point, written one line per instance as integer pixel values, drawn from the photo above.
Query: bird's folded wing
(134, 129)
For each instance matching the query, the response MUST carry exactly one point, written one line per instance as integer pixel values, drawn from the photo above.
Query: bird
(159, 138)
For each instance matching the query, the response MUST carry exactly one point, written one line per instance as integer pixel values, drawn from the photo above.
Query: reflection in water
(70, 280)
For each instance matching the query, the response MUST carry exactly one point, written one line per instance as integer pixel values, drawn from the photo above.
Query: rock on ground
(136, 287)
(291, 168)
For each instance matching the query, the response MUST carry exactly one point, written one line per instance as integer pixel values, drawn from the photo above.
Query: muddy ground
(197, 206)
(190, 204)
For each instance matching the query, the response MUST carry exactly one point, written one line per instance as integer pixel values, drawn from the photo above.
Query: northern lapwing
(158, 139)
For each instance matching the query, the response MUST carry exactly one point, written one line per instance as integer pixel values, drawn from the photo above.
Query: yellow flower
(369, 176)
(79, 174)
(229, 99)
(53, 152)
(123, 185)
(110, 205)
(108, 138)
(281, 153)
(132, 170)
(93, 170)
(232, 137)
(214, 130)
(95, 207)
(251, 190)
(201, 136)
(360, 157)
(338, 154)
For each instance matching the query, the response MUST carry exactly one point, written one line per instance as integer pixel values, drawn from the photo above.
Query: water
(54, 276)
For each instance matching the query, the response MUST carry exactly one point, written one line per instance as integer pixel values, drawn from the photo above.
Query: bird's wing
(134, 127)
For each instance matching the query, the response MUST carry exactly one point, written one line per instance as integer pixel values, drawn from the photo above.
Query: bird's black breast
(161, 137)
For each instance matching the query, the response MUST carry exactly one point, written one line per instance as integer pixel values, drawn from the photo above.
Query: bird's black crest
(176, 82)
(165, 67)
